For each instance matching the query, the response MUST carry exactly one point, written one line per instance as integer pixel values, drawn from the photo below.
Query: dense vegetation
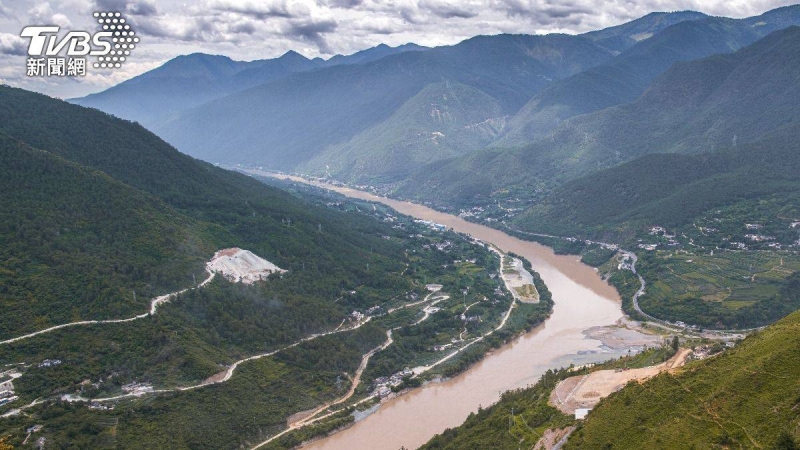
(254, 404)
(98, 208)
(210, 209)
(743, 398)
(443, 120)
(675, 190)
(746, 397)
(694, 108)
(521, 417)
(624, 78)
(76, 244)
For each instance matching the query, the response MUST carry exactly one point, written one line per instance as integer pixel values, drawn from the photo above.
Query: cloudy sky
(257, 29)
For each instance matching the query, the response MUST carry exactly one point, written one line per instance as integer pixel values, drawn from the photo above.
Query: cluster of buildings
(358, 316)
(441, 246)
(625, 263)
(433, 287)
(101, 406)
(49, 363)
(137, 388)
(431, 225)
(442, 347)
(475, 211)
(384, 385)
(7, 394)
(759, 237)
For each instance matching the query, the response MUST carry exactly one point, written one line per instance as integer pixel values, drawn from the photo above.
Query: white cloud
(6, 12)
(11, 44)
(251, 29)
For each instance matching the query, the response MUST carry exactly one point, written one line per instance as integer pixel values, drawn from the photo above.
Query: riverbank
(582, 300)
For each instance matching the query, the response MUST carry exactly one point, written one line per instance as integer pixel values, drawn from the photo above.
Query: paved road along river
(582, 300)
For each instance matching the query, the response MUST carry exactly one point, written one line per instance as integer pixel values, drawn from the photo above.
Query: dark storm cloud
(448, 9)
(564, 11)
(313, 30)
(547, 10)
(137, 8)
(258, 10)
(348, 4)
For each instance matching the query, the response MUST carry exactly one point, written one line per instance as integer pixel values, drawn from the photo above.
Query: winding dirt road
(154, 304)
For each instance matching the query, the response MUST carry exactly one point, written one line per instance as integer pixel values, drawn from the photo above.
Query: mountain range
(410, 119)
(695, 108)
(192, 80)
(676, 121)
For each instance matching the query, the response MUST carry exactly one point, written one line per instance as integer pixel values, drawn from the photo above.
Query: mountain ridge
(188, 81)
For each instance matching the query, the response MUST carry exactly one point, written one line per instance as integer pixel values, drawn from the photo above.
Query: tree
(785, 442)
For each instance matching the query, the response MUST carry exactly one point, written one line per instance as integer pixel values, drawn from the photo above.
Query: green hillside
(627, 76)
(672, 189)
(746, 397)
(76, 244)
(287, 122)
(442, 121)
(182, 195)
(98, 208)
(621, 37)
(694, 108)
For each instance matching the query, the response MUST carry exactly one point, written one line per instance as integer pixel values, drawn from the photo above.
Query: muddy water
(582, 300)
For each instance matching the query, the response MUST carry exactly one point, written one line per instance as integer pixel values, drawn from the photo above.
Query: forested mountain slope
(624, 78)
(181, 195)
(289, 121)
(694, 108)
(188, 81)
(672, 189)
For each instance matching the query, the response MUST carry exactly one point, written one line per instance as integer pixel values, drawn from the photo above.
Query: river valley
(582, 301)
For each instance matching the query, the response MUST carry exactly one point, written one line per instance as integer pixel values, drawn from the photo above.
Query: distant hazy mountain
(380, 115)
(673, 189)
(624, 78)
(622, 37)
(371, 54)
(291, 120)
(443, 120)
(694, 108)
(191, 80)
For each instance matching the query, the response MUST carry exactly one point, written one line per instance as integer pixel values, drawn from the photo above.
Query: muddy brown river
(582, 300)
